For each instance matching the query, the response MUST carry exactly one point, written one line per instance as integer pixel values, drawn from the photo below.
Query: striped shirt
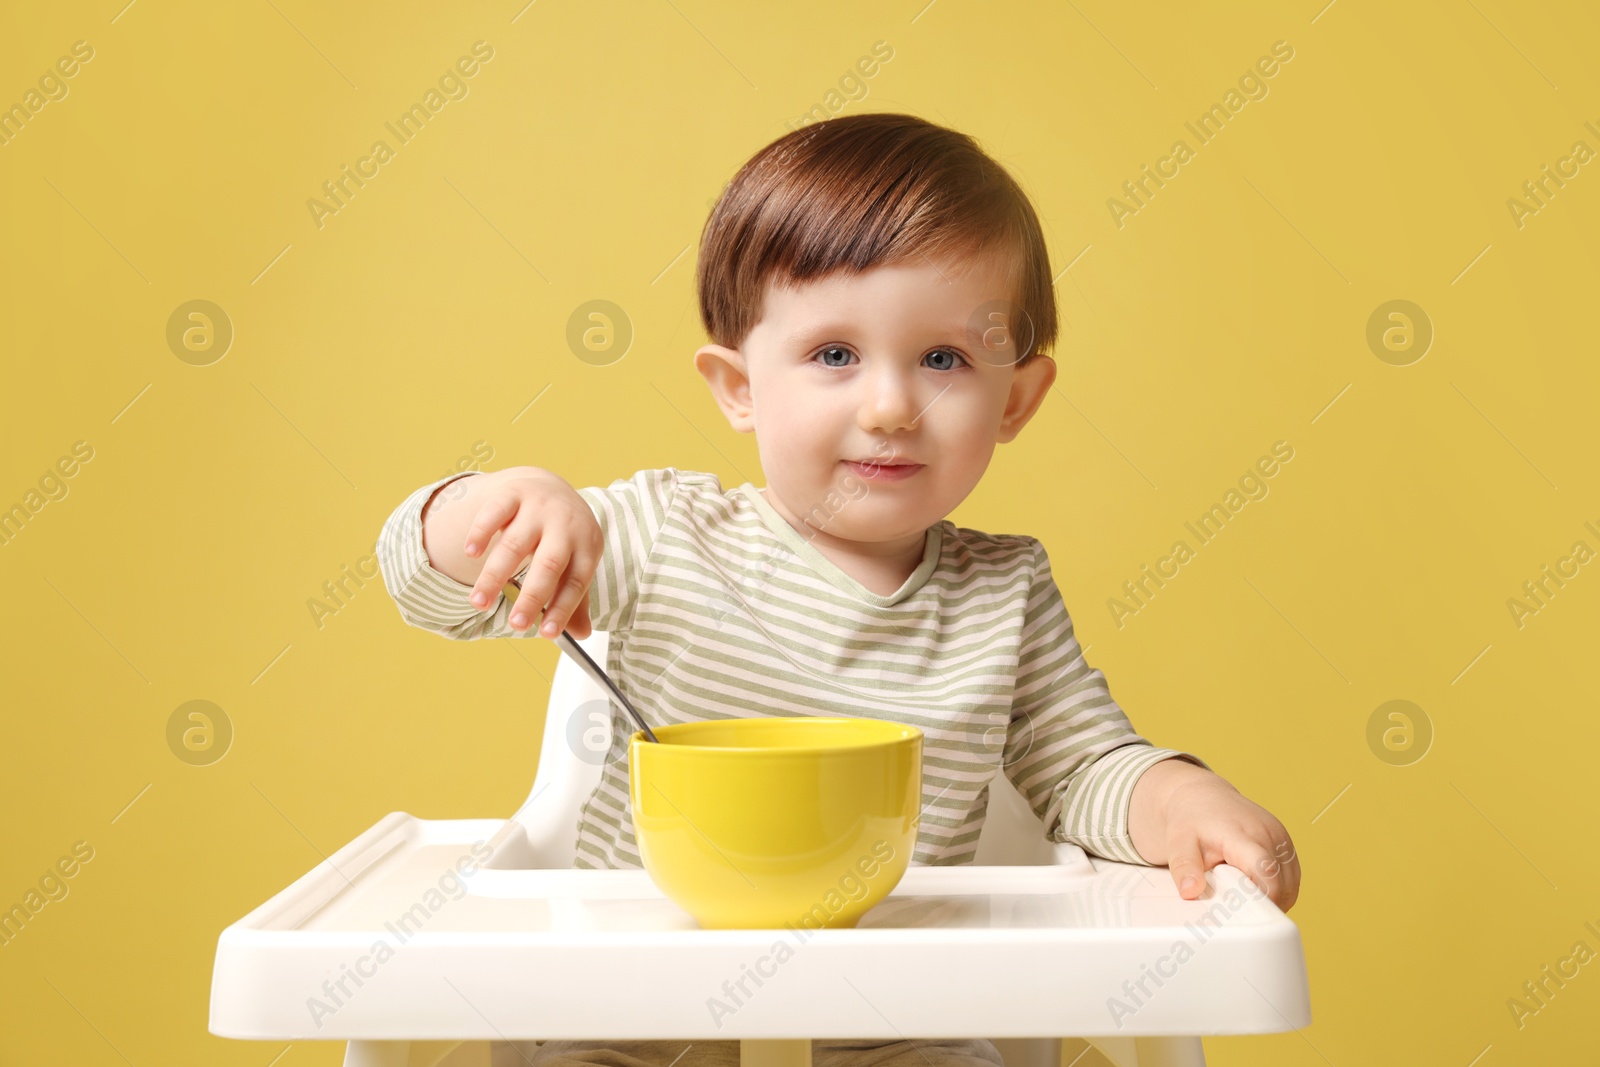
(718, 608)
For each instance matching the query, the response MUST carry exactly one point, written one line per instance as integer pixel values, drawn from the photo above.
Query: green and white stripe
(718, 608)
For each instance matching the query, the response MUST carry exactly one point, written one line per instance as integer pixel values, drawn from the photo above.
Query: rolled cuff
(1098, 820)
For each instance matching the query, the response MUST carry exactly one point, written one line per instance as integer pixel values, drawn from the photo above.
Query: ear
(1029, 383)
(724, 370)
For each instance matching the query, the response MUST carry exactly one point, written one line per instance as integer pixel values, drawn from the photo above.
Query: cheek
(804, 411)
(796, 423)
(970, 419)
(965, 434)
(967, 464)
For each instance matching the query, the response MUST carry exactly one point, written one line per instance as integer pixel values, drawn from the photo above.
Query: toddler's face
(875, 402)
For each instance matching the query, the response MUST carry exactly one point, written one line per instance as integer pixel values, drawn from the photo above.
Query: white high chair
(546, 950)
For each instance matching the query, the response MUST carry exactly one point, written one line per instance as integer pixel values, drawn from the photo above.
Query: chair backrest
(578, 741)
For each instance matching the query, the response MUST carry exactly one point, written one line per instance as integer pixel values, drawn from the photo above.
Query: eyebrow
(810, 334)
(807, 336)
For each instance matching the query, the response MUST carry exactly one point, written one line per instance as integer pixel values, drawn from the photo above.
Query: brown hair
(858, 192)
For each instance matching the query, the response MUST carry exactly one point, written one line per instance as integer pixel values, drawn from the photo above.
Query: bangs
(854, 193)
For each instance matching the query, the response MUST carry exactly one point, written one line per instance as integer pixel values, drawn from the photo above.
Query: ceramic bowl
(776, 821)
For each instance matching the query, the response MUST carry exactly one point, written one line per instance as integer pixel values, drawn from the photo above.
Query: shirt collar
(813, 557)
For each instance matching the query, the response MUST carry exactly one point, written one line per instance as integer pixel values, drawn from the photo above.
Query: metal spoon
(567, 644)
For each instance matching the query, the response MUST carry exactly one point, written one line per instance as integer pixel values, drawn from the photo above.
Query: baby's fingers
(506, 547)
(1280, 881)
(570, 595)
(1187, 863)
(580, 624)
(491, 517)
(539, 584)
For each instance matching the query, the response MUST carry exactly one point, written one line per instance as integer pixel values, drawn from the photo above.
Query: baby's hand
(1192, 819)
(1210, 822)
(534, 512)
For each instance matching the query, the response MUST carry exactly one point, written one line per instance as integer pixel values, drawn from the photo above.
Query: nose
(889, 402)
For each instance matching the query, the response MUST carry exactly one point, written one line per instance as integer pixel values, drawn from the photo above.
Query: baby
(879, 302)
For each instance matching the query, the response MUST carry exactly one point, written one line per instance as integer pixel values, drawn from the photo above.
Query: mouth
(884, 472)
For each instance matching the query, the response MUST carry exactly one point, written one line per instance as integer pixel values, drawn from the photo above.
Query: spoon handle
(571, 647)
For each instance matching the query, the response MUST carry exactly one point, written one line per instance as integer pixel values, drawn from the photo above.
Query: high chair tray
(421, 930)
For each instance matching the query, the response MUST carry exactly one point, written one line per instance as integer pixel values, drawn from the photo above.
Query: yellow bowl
(780, 821)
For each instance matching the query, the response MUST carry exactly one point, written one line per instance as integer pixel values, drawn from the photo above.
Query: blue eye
(944, 359)
(954, 360)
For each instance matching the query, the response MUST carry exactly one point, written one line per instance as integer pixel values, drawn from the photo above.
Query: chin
(891, 529)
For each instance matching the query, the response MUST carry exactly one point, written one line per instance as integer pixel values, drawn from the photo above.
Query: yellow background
(371, 354)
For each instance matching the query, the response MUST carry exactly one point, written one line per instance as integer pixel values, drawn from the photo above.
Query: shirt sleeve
(1070, 750)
